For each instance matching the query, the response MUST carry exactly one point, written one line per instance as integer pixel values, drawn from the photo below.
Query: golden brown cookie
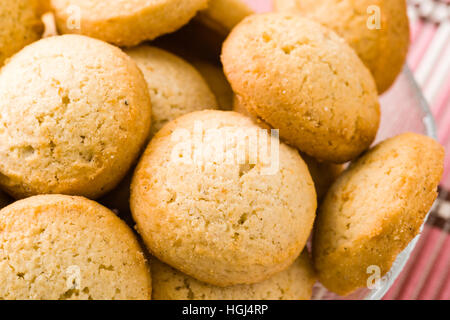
(20, 25)
(303, 79)
(322, 173)
(294, 283)
(214, 199)
(75, 113)
(374, 209)
(175, 87)
(223, 15)
(124, 22)
(61, 247)
(378, 30)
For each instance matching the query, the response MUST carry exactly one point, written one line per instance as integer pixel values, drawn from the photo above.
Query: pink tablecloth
(426, 275)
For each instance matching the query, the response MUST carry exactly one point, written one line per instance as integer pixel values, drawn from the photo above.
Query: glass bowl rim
(401, 261)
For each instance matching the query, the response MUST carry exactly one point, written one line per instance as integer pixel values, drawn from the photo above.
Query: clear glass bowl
(403, 109)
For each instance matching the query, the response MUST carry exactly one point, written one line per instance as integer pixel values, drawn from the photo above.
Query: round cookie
(224, 15)
(374, 209)
(20, 25)
(74, 114)
(63, 247)
(124, 22)
(294, 283)
(303, 79)
(214, 208)
(175, 87)
(378, 30)
(322, 173)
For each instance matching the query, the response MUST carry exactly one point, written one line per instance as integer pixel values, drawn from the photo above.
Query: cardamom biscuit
(303, 79)
(378, 30)
(294, 283)
(63, 247)
(221, 201)
(74, 115)
(224, 15)
(322, 173)
(374, 209)
(124, 22)
(175, 86)
(20, 25)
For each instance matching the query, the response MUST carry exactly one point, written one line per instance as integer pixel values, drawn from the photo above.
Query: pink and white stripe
(429, 58)
(427, 274)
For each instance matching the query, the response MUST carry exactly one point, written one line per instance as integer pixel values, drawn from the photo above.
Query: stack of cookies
(117, 125)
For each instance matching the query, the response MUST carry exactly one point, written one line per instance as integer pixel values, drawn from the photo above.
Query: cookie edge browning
(347, 148)
(384, 80)
(160, 292)
(63, 201)
(103, 183)
(339, 271)
(113, 30)
(136, 202)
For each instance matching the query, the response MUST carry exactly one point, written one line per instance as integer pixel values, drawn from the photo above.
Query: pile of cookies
(117, 125)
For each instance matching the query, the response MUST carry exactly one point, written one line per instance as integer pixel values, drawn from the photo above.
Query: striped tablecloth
(427, 274)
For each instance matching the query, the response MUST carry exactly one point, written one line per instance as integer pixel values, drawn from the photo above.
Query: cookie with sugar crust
(294, 283)
(378, 30)
(215, 206)
(57, 247)
(124, 22)
(20, 25)
(75, 114)
(303, 79)
(374, 209)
